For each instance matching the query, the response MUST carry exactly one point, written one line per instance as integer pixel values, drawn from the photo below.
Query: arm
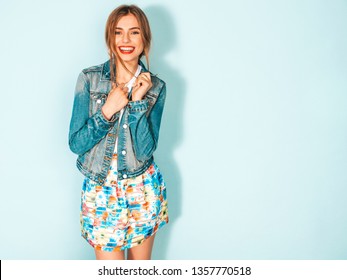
(86, 131)
(145, 129)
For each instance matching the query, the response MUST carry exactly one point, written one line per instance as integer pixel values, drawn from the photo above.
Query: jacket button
(125, 125)
(124, 152)
(125, 176)
(98, 101)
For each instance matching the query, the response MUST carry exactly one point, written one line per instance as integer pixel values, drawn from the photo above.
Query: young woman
(114, 131)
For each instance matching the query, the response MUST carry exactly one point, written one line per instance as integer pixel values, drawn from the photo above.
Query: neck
(122, 74)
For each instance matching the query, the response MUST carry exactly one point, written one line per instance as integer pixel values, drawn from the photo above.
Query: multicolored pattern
(122, 214)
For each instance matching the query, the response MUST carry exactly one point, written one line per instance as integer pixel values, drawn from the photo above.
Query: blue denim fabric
(92, 137)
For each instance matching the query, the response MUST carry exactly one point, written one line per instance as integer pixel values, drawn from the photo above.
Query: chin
(129, 59)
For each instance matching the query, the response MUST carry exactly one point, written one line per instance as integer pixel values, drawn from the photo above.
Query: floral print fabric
(123, 213)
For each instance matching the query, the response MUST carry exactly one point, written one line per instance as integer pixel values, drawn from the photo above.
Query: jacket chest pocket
(97, 100)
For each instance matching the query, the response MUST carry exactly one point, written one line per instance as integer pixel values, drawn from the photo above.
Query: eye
(117, 32)
(135, 32)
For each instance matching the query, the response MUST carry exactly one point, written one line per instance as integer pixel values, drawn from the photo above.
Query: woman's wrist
(136, 98)
(107, 115)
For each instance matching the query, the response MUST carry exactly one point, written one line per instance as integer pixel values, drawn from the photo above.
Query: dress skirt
(123, 213)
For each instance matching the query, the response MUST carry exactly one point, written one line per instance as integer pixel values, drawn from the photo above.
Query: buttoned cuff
(138, 106)
(103, 122)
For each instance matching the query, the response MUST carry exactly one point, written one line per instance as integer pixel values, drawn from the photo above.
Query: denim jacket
(92, 137)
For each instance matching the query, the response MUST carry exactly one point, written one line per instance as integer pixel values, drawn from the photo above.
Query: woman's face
(129, 44)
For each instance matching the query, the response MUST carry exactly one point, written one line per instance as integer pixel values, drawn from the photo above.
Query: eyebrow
(129, 28)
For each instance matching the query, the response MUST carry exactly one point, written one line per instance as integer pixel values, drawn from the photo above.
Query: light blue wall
(253, 143)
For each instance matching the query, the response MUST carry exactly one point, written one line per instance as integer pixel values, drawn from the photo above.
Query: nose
(125, 38)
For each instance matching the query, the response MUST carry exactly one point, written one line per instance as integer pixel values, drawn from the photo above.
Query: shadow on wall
(171, 131)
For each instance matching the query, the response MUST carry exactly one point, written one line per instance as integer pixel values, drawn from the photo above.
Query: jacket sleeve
(86, 131)
(144, 128)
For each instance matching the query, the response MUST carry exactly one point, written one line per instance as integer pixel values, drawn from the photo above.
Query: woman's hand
(142, 84)
(117, 99)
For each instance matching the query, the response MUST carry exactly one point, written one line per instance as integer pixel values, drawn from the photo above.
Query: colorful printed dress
(123, 213)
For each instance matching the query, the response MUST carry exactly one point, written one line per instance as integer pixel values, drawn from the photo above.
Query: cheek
(140, 46)
(117, 41)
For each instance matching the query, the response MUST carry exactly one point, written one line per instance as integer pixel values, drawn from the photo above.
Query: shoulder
(95, 68)
(96, 73)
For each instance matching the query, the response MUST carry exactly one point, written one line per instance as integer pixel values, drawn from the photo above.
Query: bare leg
(102, 255)
(143, 251)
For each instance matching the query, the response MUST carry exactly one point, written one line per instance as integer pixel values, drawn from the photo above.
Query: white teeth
(126, 49)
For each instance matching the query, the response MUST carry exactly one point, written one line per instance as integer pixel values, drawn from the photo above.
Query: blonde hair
(110, 35)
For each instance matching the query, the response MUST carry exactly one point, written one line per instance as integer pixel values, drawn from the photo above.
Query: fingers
(121, 88)
(143, 79)
(146, 74)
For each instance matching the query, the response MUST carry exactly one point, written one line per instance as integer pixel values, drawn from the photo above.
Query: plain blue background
(253, 138)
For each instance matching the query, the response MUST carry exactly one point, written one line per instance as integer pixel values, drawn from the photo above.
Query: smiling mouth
(126, 50)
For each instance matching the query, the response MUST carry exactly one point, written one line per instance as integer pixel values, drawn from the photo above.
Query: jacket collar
(106, 73)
